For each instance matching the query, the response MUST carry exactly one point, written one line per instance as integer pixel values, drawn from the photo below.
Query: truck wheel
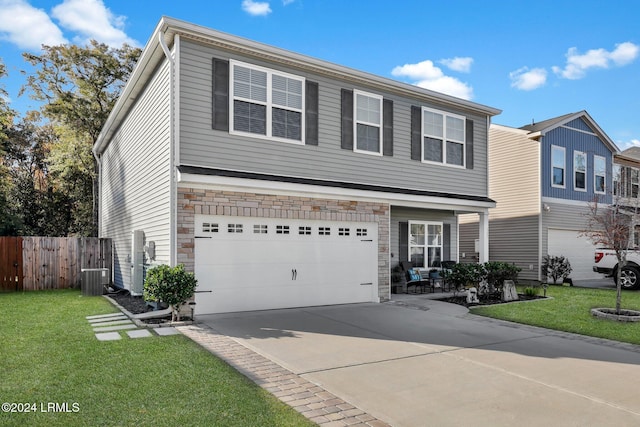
(630, 278)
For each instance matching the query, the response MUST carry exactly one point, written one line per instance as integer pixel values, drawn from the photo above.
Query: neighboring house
(543, 177)
(279, 179)
(626, 187)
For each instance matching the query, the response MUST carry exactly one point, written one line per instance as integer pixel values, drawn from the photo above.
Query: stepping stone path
(108, 326)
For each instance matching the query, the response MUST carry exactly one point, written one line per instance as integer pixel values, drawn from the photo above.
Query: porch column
(483, 250)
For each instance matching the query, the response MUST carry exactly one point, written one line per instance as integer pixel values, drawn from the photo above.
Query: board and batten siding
(575, 139)
(200, 145)
(136, 177)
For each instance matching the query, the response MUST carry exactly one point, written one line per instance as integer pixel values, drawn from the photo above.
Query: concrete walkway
(420, 362)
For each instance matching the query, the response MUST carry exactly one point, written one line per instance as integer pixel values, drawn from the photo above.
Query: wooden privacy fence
(38, 263)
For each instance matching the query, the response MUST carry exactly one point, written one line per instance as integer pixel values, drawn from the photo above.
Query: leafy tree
(79, 86)
(609, 226)
(9, 223)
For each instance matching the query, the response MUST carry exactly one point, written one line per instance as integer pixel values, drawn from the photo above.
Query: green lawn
(49, 353)
(569, 311)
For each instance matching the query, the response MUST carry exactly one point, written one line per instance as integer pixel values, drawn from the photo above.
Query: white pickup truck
(606, 262)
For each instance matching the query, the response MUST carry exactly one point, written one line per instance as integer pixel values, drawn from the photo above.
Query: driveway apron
(435, 364)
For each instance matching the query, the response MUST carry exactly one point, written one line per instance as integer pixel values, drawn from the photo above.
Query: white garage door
(577, 249)
(244, 263)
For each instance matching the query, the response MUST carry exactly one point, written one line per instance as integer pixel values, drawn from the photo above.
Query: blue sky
(533, 60)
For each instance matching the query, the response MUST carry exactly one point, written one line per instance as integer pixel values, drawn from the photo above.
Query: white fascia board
(308, 190)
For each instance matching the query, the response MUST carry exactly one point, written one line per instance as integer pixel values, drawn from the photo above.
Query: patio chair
(415, 279)
(436, 280)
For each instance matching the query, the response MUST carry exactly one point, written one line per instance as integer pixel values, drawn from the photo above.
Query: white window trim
(444, 138)
(269, 103)
(356, 121)
(426, 246)
(586, 168)
(564, 165)
(596, 174)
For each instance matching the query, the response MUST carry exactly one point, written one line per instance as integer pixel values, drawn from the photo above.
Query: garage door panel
(577, 249)
(330, 263)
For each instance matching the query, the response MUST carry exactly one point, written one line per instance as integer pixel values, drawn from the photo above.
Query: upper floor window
(557, 166)
(443, 137)
(600, 173)
(266, 102)
(368, 122)
(580, 170)
(617, 180)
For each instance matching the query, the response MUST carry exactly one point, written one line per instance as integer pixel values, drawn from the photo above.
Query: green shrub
(531, 291)
(171, 285)
(498, 272)
(555, 267)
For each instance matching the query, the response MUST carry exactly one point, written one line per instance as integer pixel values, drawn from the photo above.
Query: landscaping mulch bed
(133, 304)
(488, 300)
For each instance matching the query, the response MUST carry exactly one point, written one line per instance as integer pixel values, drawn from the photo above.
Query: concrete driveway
(429, 363)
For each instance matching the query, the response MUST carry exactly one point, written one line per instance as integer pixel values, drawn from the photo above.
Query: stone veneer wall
(192, 201)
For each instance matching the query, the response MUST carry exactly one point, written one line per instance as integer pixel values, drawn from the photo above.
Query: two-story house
(279, 179)
(626, 188)
(543, 177)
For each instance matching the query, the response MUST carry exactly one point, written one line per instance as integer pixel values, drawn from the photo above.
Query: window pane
(557, 157)
(367, 109)
(455, 153)
(558, 176)
(599, 165)
(455, 129)
(368, 138)
(248, 117)
(580, 180)
(286, 124)
(432, 149)
(435, 235)
(600, 184)
(417, 257)
(417, 234)
(580, 162)
(286, 92)
(433, 124)
(435, 257)
(249, 83)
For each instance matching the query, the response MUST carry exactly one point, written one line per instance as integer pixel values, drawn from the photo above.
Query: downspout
(173, 250)
(97, 202)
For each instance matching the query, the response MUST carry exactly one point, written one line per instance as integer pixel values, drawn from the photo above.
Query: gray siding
(564, 217)
(202, 146)
(400, 214)
(136, 177)
(514, 183)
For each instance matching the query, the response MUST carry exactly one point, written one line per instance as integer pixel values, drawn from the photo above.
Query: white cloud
(256, 8)
(287, 2)
(578, 64)
(26, 26)
(526, 79)
(91, 19)
(426, 75)
(462, 65)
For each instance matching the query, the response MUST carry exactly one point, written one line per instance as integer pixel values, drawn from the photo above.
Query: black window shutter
(416, 132)
(387, 127)
(446, 242)
(220, 102)
(311, 113)
(403, 240)
(469, 144)
(347, 119)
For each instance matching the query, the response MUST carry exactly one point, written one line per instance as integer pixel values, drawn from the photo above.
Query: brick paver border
(311, 400)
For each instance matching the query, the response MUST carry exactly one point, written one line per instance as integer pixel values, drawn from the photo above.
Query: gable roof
(550, 124)
(158, 48)
(632, 153)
